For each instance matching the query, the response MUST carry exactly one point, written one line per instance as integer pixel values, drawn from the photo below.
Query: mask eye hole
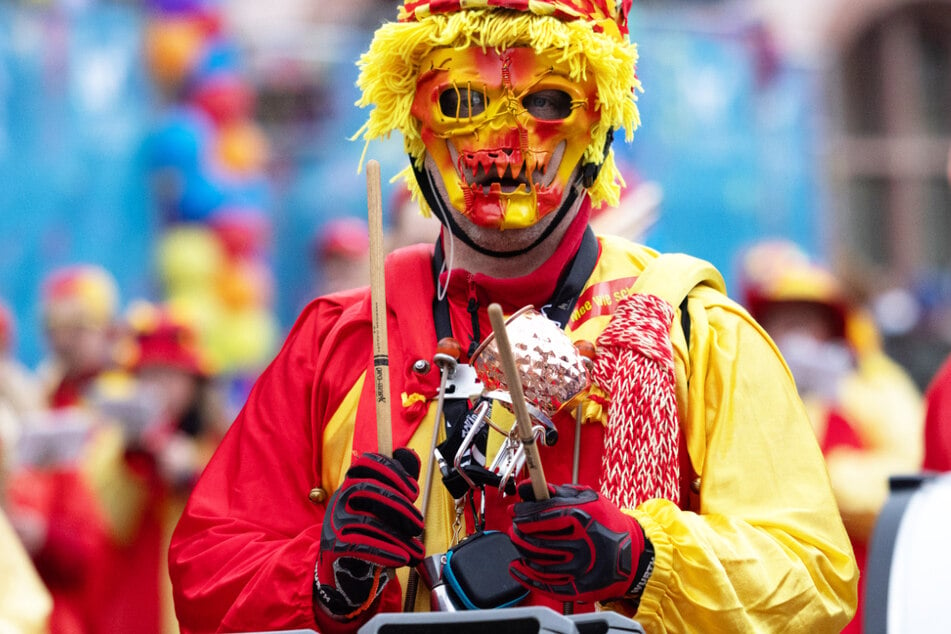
(461, 103)
(548, 105)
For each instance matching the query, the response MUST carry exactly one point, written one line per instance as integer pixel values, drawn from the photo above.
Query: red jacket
(938, 421)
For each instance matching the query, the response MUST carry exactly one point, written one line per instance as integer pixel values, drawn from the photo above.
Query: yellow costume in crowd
(25, 604)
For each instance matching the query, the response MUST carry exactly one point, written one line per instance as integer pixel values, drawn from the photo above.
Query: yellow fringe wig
(388, 72)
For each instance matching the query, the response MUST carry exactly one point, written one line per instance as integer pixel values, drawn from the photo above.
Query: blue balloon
(180, 141)
(220, 56)
(177, 6)
(201, 196)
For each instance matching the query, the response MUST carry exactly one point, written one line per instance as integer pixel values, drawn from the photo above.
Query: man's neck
(461, 256)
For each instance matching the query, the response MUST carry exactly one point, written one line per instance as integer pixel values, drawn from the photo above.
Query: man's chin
(502, 241)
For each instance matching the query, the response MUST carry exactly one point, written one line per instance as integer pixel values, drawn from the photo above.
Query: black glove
(578, 546)
(370, 525)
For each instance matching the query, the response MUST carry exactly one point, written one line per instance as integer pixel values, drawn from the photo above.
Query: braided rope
(635, 365)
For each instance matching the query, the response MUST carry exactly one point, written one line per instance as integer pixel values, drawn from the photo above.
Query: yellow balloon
(191, 258)
(246, 283)
(173, 47)
(242, 148)
(204, 311)
(246, 340)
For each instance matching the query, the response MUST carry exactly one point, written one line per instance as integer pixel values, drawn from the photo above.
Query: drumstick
(533, 460)
(381, 368)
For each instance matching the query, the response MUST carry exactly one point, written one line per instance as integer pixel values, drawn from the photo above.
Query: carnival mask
(506, 130)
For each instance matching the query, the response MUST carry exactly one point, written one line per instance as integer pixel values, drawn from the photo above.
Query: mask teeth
(546, 159)
(486, 163)
(500, 169)
(516, 168)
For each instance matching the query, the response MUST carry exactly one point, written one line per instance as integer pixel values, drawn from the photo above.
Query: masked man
(701, 501)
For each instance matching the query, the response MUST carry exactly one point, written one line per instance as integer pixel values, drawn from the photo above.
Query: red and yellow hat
(163, 339)
(83, 294)
(564, 10)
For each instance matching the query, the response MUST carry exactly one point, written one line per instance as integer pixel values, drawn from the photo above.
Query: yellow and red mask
(506, 130)
(502, 101)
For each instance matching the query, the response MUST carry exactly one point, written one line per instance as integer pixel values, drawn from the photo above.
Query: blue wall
(74, 106)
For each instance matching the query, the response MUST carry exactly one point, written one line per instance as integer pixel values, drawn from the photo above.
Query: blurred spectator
(938, 421)
(183, 423)
(19, 392)
(866, 410)
(25, 604)
(636, 212)
(342, 255)
(67, 496)
(80, 304)
(409, 225)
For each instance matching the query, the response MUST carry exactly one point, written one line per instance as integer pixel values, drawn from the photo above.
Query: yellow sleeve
(767, 550)
(25, 604)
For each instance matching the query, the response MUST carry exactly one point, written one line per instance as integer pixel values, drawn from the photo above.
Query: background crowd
(177, 182)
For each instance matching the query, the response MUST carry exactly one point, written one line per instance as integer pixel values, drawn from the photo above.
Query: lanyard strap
(562, 302)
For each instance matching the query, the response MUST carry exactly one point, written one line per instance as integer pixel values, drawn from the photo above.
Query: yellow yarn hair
(388, 72)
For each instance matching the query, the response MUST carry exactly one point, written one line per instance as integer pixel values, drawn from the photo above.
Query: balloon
(244, 339)
(181, 140)
(190, 259)
(201, 195)
(176, 6)
(242, 148)
(219, 56)
(224, 97)
(204, 311)
(246, 283)
(243, 232)
(173, 46)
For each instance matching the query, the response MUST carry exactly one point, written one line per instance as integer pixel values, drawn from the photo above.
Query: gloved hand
(578, 546)
(370, 525)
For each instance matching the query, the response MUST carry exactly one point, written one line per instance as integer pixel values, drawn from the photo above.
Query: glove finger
(557, 525)
(552, 584)
(560, 497)
(390, 508)
(373, 466)
(409, 461)
(539, 550)
(527, 492)
(375, 544)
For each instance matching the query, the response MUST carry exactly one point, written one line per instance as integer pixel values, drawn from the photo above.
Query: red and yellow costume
(75, 501)
(242, 557)
(507, 108)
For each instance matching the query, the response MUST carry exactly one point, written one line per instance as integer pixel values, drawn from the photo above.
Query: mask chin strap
(585, 179)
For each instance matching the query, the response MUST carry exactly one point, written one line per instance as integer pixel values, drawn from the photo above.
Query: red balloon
(225, 98)
(244, 232)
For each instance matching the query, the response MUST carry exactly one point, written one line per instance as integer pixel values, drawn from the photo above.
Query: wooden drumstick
(381, 367)
(533, 461)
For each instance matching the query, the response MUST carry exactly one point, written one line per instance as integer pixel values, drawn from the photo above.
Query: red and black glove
(370, 525)
(578, 546)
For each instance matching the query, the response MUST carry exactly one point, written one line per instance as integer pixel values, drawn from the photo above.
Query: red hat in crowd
(777, 272)
(343, 237)
(162, 340)
(6, 328)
